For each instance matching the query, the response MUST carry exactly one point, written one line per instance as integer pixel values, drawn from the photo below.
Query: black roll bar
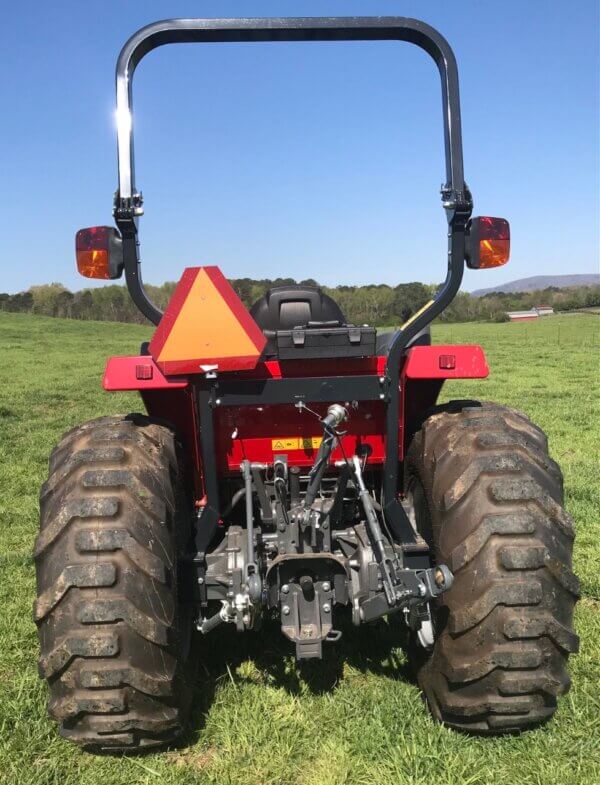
(128, 202)
(384, 28)
(456, 198)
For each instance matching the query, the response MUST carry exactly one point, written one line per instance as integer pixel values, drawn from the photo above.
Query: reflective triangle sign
(206, 327)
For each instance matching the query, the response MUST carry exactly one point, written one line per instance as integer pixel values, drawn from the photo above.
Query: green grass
(356, 717)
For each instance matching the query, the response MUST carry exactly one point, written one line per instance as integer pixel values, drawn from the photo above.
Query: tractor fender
(425, 370)
(138, 373)
(445, 362)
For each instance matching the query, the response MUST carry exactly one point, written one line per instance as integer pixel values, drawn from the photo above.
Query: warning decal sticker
(294, 443)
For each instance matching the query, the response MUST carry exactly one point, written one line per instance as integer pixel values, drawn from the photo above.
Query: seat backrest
(286, 307)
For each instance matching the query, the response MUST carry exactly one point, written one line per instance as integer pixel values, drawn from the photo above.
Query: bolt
(382, 379)
(327, 607)
(285, 610)
(326, 586)
(218, 401)
(285, 588)
(382, 396)
(201, 581)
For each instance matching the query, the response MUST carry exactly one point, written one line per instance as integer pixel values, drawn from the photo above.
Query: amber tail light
(488, 243)
(99, 252)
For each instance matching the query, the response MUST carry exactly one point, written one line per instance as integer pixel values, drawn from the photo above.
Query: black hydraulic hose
(335, 415)
(234, 500)
(318, 468)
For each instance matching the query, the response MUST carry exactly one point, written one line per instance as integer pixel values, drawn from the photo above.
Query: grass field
(356, 718)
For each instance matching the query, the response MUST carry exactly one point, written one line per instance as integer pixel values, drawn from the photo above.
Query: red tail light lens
(488, 243)
(99, 252)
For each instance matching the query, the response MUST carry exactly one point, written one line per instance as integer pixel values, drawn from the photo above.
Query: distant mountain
(541, 282)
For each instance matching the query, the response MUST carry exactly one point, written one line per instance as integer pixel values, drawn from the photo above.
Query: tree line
(378, 305)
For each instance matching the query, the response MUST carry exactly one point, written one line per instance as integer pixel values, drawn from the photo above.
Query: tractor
(293, 468)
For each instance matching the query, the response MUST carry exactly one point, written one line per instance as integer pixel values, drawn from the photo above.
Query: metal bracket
(307, 617)
(128, 208)
(458, 205)
(413, 587)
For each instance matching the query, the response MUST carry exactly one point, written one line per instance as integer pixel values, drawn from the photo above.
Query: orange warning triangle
(206, 327)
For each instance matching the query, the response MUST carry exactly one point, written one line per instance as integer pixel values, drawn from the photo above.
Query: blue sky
(308, 160)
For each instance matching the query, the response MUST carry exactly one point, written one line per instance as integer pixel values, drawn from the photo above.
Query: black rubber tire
(489, 500)
(116, 637)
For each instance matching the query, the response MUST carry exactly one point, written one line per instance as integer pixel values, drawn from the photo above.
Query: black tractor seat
(302, 322)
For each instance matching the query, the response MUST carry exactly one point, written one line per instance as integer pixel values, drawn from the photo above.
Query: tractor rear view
(291, 468)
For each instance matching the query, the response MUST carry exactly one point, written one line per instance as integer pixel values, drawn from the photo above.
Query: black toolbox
(319, 339)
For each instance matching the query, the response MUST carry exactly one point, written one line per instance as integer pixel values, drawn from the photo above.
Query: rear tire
(115, 634)
(489, 499)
